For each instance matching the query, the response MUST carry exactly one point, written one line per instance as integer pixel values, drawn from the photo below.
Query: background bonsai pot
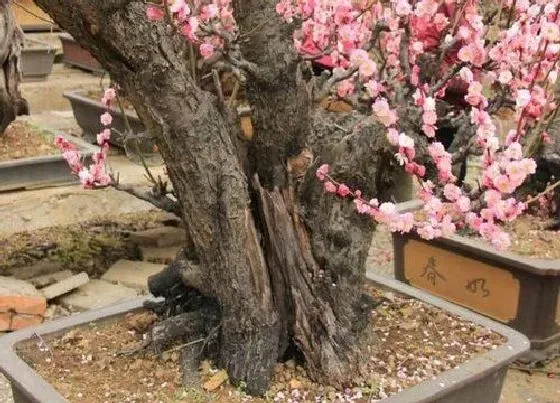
(88, 111)
(30, 17)
(37, 60)
(519, 291)
(478, 380)
(42, 170)
(76, 56)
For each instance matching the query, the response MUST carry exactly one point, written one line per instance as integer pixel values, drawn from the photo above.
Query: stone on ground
(38, 268)
(159, 237)
(21, 305)
(215, 381)
(159, 255)
(96, 294)
(48, 279)
(132, 273)
(65, 286)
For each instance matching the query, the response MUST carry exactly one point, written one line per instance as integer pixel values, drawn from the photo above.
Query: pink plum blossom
(106, 119)
(383, 112)
(155, 13)
(206, 50)
(520, 61)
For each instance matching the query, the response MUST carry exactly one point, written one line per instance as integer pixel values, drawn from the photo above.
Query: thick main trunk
(11, 44)
(284, 261)
(316, 246)
(196, 143)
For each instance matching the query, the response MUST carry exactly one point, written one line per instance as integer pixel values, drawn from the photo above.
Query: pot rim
(37, 389)
(80, 95)
(86, 149)
(539, 266)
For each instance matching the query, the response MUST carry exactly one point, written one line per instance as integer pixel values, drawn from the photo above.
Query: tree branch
(232, 51)
(403, 52)
(337, 76)
(448, 76)
(160, 201)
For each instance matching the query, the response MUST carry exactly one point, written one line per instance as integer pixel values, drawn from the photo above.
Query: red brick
(19, 321)
(13, 321)
(21, 297)
(5, 321)
(32, 305)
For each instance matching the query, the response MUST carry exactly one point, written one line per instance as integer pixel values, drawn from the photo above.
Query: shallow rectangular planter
(479, 380)
(48, 170)
(37, 62)
(76, 56)
(88, 112)
(519, 291)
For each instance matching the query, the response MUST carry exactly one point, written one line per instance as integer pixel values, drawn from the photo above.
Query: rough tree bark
(11, 44)
(284, 261)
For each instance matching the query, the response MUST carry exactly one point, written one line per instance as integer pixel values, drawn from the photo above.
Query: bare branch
(452, 72)
(548, 189)
(218, 85)
(337, 76)
(162, 202)
(243, 64)
(232, 51)
(461, 155)
(403, 51)
(223, 65)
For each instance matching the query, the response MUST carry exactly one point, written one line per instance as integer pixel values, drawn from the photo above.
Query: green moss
(91, 246)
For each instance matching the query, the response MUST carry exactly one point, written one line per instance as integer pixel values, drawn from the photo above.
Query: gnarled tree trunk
(11, 44)
(284, 261)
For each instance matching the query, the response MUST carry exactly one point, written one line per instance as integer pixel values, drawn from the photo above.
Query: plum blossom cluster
(408, 58)
(422, 52)
(94, 175)
(205, 24)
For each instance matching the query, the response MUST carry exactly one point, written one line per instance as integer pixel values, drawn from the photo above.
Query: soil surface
(529, 237)
(96, 363)
(21, 140)
(91, 246)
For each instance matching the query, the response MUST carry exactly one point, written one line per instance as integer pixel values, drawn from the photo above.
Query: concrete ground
(47, 95)
(41, 208)
(5, 390)
(536, 388)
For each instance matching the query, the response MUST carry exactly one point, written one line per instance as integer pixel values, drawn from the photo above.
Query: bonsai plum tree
(279, 225)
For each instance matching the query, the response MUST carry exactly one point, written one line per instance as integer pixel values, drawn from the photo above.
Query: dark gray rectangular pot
(76, 56)
(519, 291)
(479, 380)
(48, 170)
(88, 113)
(37, 62)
